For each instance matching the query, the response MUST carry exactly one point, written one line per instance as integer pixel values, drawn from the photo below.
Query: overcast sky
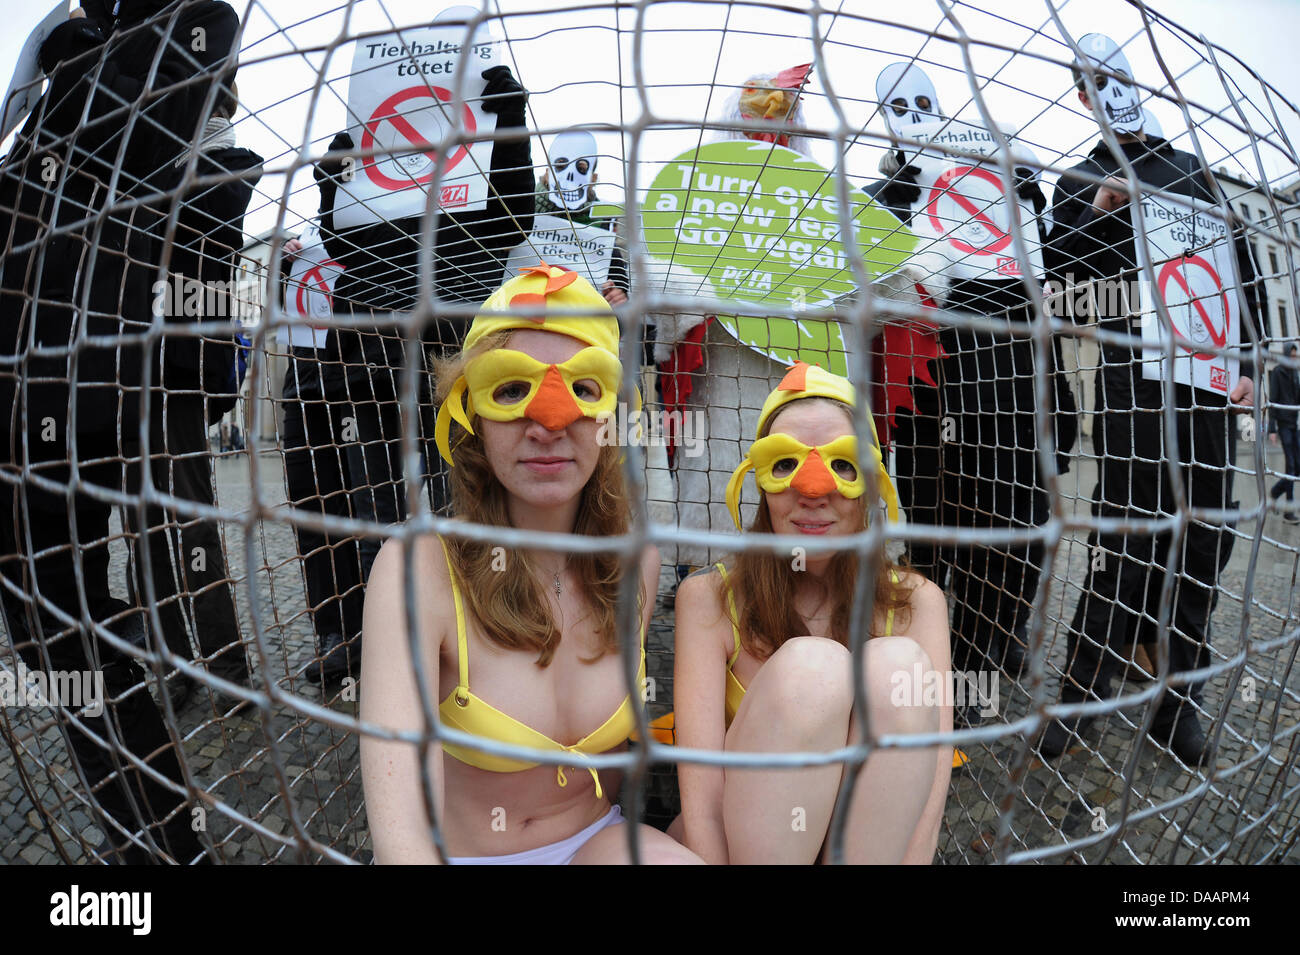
(579, 67)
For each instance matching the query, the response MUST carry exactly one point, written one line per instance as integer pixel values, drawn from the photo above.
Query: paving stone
(328, 798)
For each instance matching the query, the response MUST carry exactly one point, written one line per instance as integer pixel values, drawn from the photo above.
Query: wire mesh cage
(1052, 245)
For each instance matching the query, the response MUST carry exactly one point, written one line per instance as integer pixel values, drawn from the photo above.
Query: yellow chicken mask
(505, 385)
(780, 462)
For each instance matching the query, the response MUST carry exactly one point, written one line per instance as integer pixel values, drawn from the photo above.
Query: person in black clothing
(1283, 398)
(81, 248)
(318, 481)
(381, 274)
(1092, 240)
(966, 455)
(196, 387)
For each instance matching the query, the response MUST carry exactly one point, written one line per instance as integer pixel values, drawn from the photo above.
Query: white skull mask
(1117, 98)
(907, 97)
(573, 168)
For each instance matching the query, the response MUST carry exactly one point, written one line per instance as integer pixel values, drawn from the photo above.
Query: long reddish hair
(763, 584)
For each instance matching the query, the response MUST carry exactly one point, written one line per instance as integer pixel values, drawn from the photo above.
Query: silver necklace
(557, 584)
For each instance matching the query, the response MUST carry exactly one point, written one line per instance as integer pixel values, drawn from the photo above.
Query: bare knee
(806, 682)
(904, 693)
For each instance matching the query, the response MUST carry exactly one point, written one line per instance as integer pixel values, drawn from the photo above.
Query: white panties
(557, 853)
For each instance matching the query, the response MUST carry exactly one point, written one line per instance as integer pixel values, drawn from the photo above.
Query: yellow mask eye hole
(511, 393)
(785, 467)
(844, 469)
(588, 390)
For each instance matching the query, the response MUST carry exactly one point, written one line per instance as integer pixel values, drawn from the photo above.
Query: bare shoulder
(926, 600)
(701, 618)
(701, 592)
(927, 618)
(431, 577)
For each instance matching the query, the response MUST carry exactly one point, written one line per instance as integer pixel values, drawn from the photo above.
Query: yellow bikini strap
(734, 488)
(462, 650)
(731, 609)
(560, 778)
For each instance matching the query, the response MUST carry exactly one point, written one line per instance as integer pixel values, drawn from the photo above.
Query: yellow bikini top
(464, 711)
(735, 691)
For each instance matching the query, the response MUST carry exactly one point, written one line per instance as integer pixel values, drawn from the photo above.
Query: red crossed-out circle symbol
(943, 186)
(386, 112)
(1181, 272)
(314, 277)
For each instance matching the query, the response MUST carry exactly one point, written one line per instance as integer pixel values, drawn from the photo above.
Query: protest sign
(310, 293)
(401, 97)
(762, 224)
(25, 87)
(1192, 258)
(964, 210)
(556, 240)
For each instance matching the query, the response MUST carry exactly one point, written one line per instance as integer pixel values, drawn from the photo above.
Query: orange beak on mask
(781, 462)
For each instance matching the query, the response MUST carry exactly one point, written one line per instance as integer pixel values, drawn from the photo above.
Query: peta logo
(76, 908)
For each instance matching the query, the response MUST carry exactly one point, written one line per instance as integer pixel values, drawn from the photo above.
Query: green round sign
(761, 222)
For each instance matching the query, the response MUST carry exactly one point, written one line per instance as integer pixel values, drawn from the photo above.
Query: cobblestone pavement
(1248, 810)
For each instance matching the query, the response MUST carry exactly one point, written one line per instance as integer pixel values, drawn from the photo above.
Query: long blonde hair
(511, 606)
(763, 584)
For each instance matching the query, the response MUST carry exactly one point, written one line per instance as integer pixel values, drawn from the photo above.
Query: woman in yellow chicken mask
(520, 645)
(773, 630)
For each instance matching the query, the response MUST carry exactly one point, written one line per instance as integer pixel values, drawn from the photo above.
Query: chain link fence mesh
(170, 520)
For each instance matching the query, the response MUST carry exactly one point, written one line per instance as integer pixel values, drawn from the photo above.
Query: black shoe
(1185, 739)
(1008, 655)
(313, 672)
(227, 704)
(180, 689)
(1060, 734)
(1291, 517)
(340, 658)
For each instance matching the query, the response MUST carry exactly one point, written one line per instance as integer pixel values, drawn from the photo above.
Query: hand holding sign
(1111, 195)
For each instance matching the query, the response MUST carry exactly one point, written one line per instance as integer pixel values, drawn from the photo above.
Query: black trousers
(965, 457)
(1121, 595)
(375, 368)
(186, 555)
(66, 563)
(319, 482)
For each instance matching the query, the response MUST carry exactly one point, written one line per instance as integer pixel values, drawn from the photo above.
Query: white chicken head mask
(1117, 99)
(907, 97)
(573, 168)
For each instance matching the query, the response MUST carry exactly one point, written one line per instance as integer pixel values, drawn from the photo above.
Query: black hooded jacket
(82, 195)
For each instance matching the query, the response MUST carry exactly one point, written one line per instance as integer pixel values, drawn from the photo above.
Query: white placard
(1193, 261)
(309, 293)
(25, 88)
(556, 240)
(400, 99)
(963, 209)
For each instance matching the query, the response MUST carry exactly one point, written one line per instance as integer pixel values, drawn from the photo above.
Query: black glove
(504, 96)
(901, 190)
(331, 167)
(1029, 188)
(68, 40)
